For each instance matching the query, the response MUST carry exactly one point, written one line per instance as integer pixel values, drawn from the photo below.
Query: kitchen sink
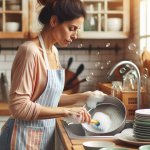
(76, 131)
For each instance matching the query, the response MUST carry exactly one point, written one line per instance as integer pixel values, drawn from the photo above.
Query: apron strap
(44, 51)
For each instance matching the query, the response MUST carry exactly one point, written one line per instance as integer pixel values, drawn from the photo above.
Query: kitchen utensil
(115, 111)
(113, 24)
(69, 63)
(144, 147)
(4, 87)
(76, 84)
(68, 75)
(79, 71)
(95, 122)
(96, 145)
(12, 26)
(127, 136)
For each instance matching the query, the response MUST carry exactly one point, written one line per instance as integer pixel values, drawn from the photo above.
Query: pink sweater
(28, 80)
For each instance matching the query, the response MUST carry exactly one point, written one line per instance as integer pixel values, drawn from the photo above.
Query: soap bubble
(90, 77)
(132, 46)
(97, 65)
(145, 72)
(108, 45)
(137, 53)
(102, 67)
(108, 62)
(98, 53)
(80, 45)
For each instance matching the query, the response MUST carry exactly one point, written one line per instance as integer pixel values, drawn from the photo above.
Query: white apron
(39, 134)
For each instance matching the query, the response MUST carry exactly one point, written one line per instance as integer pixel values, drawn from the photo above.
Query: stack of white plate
(141, 128)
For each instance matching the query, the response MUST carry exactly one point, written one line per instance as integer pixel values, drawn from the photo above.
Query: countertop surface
(4, 110)
(69, 144)
(76, 144)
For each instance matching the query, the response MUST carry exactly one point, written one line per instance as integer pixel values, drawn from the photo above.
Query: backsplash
(86, 57)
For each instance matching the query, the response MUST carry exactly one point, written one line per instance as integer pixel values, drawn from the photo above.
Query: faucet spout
(138, 78)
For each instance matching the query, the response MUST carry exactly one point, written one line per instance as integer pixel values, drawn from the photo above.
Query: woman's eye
(71, 28)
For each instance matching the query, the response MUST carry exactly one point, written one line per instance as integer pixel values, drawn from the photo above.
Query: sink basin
(75, 131)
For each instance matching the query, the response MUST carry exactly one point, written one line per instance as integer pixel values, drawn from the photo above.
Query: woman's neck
(48, 41)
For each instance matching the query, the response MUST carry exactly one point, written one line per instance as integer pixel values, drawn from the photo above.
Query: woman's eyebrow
(75, 26)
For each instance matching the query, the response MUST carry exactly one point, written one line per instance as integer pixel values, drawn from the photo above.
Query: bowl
(96, 145)
(12, 26)
(113, 24)
(144, 147)
(115, 148)
(14, 7)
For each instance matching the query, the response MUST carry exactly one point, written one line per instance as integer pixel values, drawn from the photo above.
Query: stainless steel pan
(113, 109)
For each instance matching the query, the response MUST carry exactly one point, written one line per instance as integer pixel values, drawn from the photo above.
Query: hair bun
(42, 2)
(45, 2)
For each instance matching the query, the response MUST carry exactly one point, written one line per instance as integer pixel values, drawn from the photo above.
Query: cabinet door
(13, 19)
(106, 19)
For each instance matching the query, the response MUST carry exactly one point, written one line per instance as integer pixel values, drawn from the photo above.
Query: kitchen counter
(68, 144)
(76, 144)
(4, 110)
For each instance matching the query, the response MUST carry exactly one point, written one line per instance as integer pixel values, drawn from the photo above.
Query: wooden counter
(76, 144)
(4, 110)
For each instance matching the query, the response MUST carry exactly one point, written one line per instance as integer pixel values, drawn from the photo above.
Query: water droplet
(137, 52)
(145, 72)
(108, 45)
(108, 62)
(98, 53)
(97, 64)
(80, 45)
(90, 77)
(132, 46)
(102, 67)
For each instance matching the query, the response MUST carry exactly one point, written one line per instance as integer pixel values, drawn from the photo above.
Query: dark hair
(65, 10)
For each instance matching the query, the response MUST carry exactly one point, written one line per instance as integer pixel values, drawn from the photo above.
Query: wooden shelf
(19, 16)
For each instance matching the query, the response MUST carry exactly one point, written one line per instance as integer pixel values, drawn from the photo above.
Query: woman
(37, 81)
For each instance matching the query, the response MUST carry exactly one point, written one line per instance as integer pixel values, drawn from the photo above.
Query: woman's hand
(94, 97)
(80, 114)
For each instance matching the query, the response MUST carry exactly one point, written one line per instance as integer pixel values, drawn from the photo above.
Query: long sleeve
(23, 82)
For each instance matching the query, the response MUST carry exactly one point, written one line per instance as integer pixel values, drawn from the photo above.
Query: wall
(88, 58)
(134, 38)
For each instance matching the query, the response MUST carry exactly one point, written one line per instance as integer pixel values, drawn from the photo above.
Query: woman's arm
(73, 98)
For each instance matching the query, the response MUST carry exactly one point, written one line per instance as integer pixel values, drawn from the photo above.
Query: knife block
(73, 89)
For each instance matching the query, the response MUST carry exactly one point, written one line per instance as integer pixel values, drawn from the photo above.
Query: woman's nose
(74, 35)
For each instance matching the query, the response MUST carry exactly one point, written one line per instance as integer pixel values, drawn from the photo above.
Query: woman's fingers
(80, 112)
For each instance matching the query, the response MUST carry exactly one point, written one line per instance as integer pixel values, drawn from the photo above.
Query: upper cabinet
(106, 19)
(13, 19)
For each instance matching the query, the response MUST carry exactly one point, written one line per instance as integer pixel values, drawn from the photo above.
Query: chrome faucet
(138, 78)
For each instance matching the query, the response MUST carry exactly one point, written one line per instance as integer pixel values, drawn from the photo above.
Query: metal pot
(115, 110)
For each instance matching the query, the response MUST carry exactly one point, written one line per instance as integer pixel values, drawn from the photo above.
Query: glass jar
(116, 89)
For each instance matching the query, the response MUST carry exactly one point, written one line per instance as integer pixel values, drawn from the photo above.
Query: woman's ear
(53, 21)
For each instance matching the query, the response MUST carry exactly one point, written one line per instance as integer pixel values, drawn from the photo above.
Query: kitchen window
(144, 25)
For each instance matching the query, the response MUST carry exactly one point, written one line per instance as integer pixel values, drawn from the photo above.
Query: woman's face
(66, 32)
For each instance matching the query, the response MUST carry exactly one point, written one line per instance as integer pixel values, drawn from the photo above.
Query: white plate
(143, 112)
(129, 138)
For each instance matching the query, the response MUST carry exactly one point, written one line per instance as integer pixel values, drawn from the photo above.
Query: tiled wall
(86, 57)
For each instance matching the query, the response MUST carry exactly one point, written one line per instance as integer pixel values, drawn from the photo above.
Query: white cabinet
(106, 19)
